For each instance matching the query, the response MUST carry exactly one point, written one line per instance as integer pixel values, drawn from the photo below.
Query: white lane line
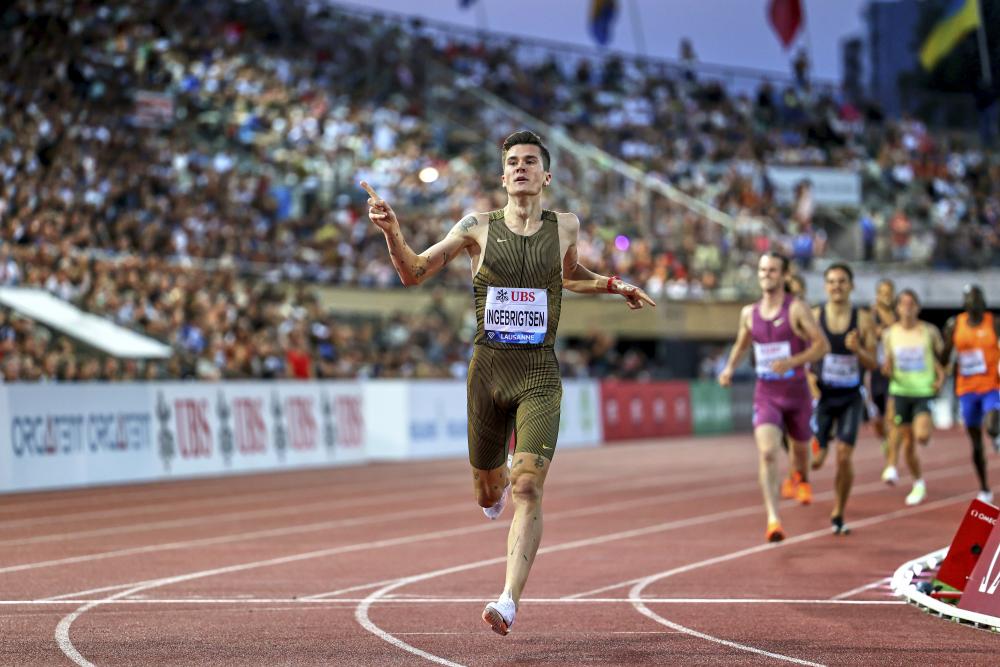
(884, 581)
(635, 593)
(62, 631)
(872, 487)
(596, 509)
(400, 599)
(416, 513)
(202, 520)
(238, 537)
(478, 528)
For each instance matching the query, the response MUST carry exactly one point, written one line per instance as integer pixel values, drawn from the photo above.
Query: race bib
(841, 370)
(910, 359)
(971, 362)
(880, 354)
(516, 315)
(766, 354)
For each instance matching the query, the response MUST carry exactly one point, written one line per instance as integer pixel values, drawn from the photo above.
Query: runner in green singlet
(522, 257)
(912, 349)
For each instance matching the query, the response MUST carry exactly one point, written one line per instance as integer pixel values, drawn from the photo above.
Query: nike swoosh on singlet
(502, 240)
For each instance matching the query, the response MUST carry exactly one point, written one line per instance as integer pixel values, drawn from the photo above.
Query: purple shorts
(788, 408)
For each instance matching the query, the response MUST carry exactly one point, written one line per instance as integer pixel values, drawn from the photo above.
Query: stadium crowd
(168, 164)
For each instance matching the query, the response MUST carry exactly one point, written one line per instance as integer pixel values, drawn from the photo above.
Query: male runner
(973, 335)
(912, 350)
(795, 285)
(838, 376)
(884, 313)
(522, 257)
(785, 338)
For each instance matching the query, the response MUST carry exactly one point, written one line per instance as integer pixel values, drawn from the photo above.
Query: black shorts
(908, 407)
(843, 413)
(880, 391)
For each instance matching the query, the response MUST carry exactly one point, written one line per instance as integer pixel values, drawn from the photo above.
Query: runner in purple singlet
(785, 338)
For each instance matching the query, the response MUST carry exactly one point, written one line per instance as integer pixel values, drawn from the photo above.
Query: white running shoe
(499, 615)
(917, 493)
(497, 509)
(890, 475)
(985, 496)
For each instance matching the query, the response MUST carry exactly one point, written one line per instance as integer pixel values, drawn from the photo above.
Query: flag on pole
(602, 15)
(786, 19)
(961, 17)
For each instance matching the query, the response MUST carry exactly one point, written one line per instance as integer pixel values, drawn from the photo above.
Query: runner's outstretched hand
(379, 211)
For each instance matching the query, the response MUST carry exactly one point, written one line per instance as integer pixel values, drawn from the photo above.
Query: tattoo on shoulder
(467, 223)
(540, 461)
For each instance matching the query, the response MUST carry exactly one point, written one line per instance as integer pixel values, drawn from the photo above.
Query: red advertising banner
(968, 543)
(982, 593)
(645, 409)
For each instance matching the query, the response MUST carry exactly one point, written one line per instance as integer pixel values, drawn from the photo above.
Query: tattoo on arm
(540, 461)
(467, 223)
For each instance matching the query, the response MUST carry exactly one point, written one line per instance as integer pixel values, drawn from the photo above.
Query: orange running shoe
(789, 487)
(774, 532)
(804, 493)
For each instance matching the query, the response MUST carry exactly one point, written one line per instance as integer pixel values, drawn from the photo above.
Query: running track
(653, 554)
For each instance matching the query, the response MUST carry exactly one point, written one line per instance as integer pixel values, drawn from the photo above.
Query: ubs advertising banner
(78, 435)
(208, 428)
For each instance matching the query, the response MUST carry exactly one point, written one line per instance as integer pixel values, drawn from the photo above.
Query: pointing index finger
(371, 192)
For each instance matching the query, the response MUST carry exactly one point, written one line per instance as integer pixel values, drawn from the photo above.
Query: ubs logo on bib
(521, 297)
(502, 295)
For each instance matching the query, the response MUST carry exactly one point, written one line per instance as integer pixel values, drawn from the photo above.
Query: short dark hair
(525, 137)
(840, 266)
(785, 263)
(910, 293)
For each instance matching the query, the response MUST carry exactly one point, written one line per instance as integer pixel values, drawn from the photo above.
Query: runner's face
(523, 173)
(838, 286)
(885, 295)
(973, 301)
(770, 274)
(907, 309)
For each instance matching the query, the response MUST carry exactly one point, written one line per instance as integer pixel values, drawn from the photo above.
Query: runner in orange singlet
(974, 335)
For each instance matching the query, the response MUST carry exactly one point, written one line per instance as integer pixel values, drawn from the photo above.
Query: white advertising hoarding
(79, 435)
(67, 435)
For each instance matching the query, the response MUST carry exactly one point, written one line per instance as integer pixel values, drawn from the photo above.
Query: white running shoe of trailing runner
(493, 512)
(917, 493)
(499, 615)
(890, 475)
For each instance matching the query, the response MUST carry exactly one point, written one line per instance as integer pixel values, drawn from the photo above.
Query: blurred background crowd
(189, 169)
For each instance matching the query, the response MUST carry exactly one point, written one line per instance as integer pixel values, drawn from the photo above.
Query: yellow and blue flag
(602, 15)
(960, 17)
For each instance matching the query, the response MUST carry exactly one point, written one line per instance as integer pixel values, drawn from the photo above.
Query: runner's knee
(527, 488)
(993, 423)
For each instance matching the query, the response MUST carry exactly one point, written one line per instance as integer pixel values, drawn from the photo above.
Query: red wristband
(611, 282)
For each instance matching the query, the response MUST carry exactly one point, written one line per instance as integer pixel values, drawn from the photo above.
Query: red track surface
(219, 572)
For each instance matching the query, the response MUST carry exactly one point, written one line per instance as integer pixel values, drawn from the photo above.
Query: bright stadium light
(428, 175)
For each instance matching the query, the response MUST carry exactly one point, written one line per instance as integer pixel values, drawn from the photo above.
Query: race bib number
(766, 354)
(841, 370)
(516, 315)
(971, 362)
(910, 359)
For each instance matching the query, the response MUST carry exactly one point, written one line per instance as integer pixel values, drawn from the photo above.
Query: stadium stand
(189, 170)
